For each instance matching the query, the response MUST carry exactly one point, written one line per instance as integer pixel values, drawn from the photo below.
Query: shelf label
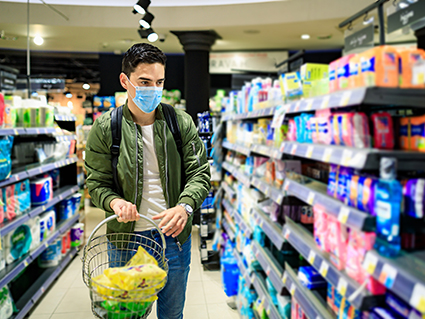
(311, 257)
(309, 105)
(342, 286)
(280, 199)
(346, 157)
(310, 198)
(285, 277)
(346, 96)
(344, 212)
(418, 297)
(292, 289)
(282, 147)
(287, 233)
(286, 187)
(16, 132)
(26, 263)
(324, 267)
(43, 289)
(325, 102)
(369, 263)
(46, 245)
(294, 149)
(297, 106)
(327, 155)
(309, 153)
(387, 276)
(268, 270)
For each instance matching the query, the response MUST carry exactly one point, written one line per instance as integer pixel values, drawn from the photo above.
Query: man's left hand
(173, 221)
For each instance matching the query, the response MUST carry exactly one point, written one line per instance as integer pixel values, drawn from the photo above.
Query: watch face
(189, 209)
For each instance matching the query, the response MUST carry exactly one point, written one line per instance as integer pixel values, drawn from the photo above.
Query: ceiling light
(152, 37)
(403, 5)
(86, 86)
(38, 40)
(146, 21)
(68, 95)
(141, 6)
(305, 36)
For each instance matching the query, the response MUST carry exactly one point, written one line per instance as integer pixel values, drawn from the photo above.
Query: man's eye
(145, 82)
(160, 82)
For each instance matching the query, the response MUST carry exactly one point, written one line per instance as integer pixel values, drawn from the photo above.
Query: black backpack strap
(173, 125)
(116, 124)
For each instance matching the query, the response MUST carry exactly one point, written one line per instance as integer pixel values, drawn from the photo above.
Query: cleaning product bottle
(388, 198)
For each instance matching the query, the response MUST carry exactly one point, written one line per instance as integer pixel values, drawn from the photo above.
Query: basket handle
(103, 222)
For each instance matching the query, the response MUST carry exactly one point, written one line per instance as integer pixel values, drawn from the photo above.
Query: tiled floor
(69, 298)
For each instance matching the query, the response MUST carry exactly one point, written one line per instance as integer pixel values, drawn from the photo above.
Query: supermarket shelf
(34, 293)
(368, 159)
(273, 270)
(245, 150)
(273, 230)
(229, 190)
(238, 219)
(36, 170)
(11, 271)
(264, 112)
(66, 137)
(242, 268)
(260, 288)
(313, 306)
(272, 192)
(58, 195)
(228, 167)
(228, 230)
(304, 243)
(267, 151)
(27, 131)
(239, 175)
(315, 193)
(67, 118)
(404, 275)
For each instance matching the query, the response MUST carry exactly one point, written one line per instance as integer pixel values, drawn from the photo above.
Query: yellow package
(136, 277)
(101, 282)
(142, 257)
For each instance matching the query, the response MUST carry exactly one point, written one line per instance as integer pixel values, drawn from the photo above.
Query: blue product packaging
(398, 305)
(310, 278)
(55, 175)
(300, 129)
(50, 256)
(344, 174)
(5, 157)
(76, 199)
(333, 172)
(414, 199)
(383, 313)
(41, 191)
(66, 208)
(17, 243)
(22, 197)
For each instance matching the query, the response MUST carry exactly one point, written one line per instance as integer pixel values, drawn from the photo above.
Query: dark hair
(141, 53)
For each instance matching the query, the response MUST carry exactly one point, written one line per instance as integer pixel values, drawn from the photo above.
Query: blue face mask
(147, 98)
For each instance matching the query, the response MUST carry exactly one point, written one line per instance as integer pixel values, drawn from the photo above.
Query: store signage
(360, 39)
(405, 17)
(7, 80)
(238, 62)
(48, 84)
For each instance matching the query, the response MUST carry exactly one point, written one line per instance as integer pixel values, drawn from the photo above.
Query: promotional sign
(237, 62)
(360, 39)
(406, 16)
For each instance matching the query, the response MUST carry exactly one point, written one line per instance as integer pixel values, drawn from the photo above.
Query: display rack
(273, 230)
(65, 118)
(229, 190)
(244, 271)
(245, 179)
(27, 131)
(272, 192)
(238, 220)
(260, 288)
(304, 243)
(310, 302)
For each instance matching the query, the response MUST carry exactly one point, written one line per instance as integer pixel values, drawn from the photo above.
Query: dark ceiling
(79, 67)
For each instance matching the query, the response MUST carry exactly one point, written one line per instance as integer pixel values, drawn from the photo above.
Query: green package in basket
(125, 310)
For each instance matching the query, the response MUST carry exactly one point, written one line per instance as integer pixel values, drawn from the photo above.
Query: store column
(420, 35)
(197, 46)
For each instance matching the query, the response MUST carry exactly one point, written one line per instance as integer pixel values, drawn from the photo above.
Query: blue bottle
(388, 199)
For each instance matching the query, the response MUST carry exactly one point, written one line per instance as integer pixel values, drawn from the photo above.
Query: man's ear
(123, 80)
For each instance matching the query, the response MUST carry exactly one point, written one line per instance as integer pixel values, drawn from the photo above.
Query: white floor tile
(214, 293)
(195, 312)
(42, 316)
(222, 311)
(213, 275)
(195, 294)
(72, 315)
(50, 301)
(75, 299)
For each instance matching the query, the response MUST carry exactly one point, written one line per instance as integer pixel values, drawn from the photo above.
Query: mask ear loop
(131, 85)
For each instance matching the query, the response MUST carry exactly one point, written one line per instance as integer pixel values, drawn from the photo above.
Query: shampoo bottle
(388, 198)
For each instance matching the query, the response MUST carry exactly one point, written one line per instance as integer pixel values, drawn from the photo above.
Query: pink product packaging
(361, 132)
(337, 242)
(343, 71)
(292, 130)
(320, 227)
(320, 130)
(333, 68)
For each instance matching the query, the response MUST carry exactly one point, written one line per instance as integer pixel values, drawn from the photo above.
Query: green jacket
(130, 166)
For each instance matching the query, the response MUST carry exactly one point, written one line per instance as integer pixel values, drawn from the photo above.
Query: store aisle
(69, 298)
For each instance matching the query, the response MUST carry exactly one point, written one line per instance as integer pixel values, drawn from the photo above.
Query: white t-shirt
(153, 200)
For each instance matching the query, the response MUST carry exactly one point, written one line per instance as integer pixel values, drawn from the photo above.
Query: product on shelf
(412, 133)
(408, 59)
(340, 305)
(310, 278)
(383, 134)
(2, 258)
(414, 198)
(41, 190)
(343, 71)
(6, 143)
(7, 306)
(2, 107)
(77, 233)
(51, 256)
(47, 224)
(66, 243)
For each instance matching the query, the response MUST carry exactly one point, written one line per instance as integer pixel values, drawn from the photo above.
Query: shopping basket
(115, 250)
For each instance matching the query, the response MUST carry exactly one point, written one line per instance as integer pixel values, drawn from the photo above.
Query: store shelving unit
(260, 288)
(243, 269)
(310, 302)
(304, 243)
(267, 151)
(245, 179)
(273, 230)
(27, 131)
(65, 118)
(245, 150)
(228, 189)
(238, 220)
(270, 191)
(404, 275)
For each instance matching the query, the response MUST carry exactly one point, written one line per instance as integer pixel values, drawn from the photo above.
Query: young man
(149, 171)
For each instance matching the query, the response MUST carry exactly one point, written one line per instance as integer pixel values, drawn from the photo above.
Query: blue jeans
(171, 298)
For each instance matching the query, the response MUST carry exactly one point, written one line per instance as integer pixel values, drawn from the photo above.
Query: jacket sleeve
(99, 168)
(196, 166)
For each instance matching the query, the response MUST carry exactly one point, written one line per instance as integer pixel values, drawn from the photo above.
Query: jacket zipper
(137, 173)
(196, 155)
(166, 177)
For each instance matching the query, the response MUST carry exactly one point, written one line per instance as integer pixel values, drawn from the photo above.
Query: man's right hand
(126, 211)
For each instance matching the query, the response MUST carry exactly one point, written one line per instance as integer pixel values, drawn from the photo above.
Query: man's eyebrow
(146, 79)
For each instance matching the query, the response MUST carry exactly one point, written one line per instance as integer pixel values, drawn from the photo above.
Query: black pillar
(197, 46)
(420, 34)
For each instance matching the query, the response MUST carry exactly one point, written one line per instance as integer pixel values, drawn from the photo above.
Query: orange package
(412, 133)
(408, 58)
(380, 67)
(355, 71)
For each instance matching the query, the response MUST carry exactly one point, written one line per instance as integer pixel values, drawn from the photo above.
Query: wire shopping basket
(115, 250)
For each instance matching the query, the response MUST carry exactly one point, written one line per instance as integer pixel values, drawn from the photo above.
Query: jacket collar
(127, 114)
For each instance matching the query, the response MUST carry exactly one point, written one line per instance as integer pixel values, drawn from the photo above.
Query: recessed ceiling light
(152, 37)
(68, 95)
(305, 36)
(86, 86)
(38, 39)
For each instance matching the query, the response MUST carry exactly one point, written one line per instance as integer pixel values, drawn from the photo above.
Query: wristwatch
(187, 208)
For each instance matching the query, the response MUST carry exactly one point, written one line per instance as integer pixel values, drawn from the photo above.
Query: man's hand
(126, 211)
(173, 221)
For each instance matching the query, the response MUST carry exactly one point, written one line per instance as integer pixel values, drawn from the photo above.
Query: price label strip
(342, 286)
(345, 99)
(285, 278)
(310, 198)
(369, 263)
(324, 267)
(325, 102)
(343, 214)
(327, 155)
(388, 275)
(311, 257)
(309, 153)
(294, 149)
(418, 297)
(347, 155)
(292, 289)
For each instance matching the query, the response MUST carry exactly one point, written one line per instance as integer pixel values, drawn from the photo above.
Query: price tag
(286, 187)
(311, 257)
(327, 155)
(346, 157)
(387, 276)
(268, 270)
(324, 267)
(282, 147)
(279, 199)
(46, 245)
(16, 132)
(309, 153)
(310, 198)
(345, 98)
(369, 263)
(43, 208)
(285, 277)
(26, 263)
(342, 286)
(418, 297)
(267, 191)
(292, 289)
(325, 102)
(287, 233)
(297, 106)
(344, 212)
(43, 290)
(309, 105)
(294, 149)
